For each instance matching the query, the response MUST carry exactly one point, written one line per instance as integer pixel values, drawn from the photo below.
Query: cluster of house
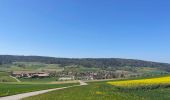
(90, 75)
(30, 74)
(66, 76)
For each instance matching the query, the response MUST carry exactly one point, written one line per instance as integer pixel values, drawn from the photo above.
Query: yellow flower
(98, 92)
(142, 82)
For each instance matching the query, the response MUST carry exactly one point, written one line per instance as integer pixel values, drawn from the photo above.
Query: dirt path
(24, 95)
(15, 79)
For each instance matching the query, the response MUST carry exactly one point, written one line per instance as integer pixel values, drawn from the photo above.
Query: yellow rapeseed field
(142, 82)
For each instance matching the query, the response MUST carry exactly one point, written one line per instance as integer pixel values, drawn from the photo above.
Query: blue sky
(137, 29)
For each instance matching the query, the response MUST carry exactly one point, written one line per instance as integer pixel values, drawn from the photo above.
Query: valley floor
(103, 91)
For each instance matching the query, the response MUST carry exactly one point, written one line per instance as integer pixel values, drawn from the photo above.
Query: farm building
(29, 74)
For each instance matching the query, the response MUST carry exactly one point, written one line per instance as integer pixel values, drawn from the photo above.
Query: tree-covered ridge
(86, 62)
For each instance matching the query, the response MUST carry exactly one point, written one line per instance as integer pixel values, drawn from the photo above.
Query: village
(66, 76)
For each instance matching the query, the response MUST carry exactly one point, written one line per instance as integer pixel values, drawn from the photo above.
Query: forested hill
(87, 62)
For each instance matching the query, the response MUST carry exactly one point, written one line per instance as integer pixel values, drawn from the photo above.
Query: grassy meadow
(110, 91)
(5, 77)
(7, 89)
(39, 80)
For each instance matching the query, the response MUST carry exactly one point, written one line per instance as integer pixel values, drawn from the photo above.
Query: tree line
(86, 62)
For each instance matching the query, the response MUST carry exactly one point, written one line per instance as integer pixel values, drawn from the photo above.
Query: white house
(66, 78)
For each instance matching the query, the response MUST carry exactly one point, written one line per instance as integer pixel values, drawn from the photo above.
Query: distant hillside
(86, 62)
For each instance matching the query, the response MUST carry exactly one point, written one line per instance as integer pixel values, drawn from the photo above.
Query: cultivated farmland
(149, 83)
(109, 91)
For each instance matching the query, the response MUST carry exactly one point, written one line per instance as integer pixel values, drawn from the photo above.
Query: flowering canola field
(142, 82)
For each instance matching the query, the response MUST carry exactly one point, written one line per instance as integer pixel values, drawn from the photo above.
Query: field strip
(24, 95)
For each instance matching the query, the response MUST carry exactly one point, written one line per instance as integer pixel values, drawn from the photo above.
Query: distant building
(88, 78)
(30, 74)
(67, 78)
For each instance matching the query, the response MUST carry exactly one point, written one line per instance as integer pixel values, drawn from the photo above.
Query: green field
(7, 89)
(5, 77)
(105, 91)
(41, 80)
